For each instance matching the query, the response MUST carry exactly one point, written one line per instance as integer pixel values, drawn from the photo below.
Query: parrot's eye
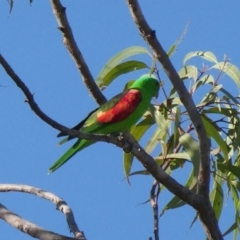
(157, 84)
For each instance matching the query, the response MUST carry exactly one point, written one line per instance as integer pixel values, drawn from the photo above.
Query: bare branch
(154, 203)
(40, 113)
(70, 43)
(207, 215)
(61, 205)
(28, 227)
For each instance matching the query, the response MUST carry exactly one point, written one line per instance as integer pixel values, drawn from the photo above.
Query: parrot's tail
(78, 146)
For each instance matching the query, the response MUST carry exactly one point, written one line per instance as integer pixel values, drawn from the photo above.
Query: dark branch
(147, 161)
(154, 193)
(150, 37)
(206, 212)
(70, 43)
(30, 100)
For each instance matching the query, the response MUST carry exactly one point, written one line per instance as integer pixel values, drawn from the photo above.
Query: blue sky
(105, 207)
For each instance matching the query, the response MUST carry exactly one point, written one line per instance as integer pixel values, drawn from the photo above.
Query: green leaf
(188, 72)
(118, 70)
(234, 226)
(193, 221)
(205, 55)
(202, 81)
(210, 97)
(180, 155)
(233, 169)
(162, 123)
(119, 57)
(236, 135)
(212, 132)
(230, 229)
(216, 197)
(176, 202)
(140, 172)
(229, 95)
(176, 126)
(172, 50)
(137, 131)
(228, 112)
(192, 149)
(153, 141)
(231, 70)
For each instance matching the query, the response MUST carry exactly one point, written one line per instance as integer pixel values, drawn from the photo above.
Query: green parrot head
(148, 85)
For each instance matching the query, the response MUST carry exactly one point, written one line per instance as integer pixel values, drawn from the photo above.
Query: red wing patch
(126, 105)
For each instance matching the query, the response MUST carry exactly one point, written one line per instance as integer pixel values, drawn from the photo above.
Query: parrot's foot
(117, 134)
(127, 146)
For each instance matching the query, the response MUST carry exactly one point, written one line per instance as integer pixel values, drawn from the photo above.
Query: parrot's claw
(117, 134)
(127, 147)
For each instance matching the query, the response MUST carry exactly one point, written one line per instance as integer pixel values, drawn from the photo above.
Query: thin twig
(154, 203)
(70, 43)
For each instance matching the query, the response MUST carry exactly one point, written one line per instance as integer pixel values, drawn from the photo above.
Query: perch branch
(70, 43)
(61, 205)
(199, 203)
(125, 142)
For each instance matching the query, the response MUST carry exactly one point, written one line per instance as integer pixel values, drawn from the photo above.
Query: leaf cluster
(174, 138)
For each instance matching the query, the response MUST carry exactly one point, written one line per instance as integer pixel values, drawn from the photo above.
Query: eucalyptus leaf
(118, 70)
(205, 55)
(137, 131)
(231, 70)
(118, 58)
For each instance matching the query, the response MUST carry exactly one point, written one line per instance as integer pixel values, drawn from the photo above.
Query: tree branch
(126, 142)
(154, 202)
(207, 215)
(28, 227)
(61, 205)
(30, 100)
(70, 43)
(204, 145)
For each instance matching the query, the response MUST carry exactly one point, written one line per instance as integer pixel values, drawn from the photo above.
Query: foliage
(174, 132)
(173, 129)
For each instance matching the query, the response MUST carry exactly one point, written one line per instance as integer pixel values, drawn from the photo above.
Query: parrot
(118, 114)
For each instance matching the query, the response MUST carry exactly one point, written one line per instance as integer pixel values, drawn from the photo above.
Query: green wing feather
(147, 85)
(88, 124)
